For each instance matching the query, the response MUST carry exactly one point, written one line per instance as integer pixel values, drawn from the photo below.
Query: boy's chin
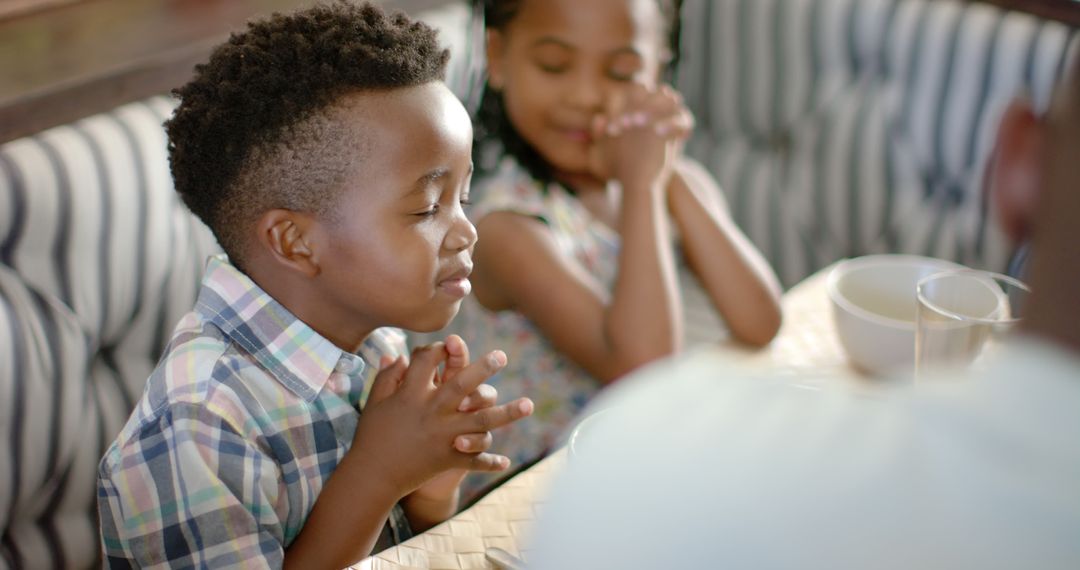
(434, 322)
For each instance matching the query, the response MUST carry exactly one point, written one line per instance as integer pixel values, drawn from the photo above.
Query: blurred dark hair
(494, 135)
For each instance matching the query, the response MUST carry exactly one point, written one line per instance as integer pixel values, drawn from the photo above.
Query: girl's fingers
(634, 119)
(614, 106)
(661, 110)
(679, 126)
(638, 93)
(671, 93)
(616, 102)
(599, 125)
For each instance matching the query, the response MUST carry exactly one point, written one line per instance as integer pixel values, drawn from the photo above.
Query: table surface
(806, 350)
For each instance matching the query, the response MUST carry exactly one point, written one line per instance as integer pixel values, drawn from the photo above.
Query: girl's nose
(586, 91)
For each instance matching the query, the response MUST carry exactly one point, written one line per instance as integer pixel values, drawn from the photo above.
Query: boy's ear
(1015, 170)
(495, 45)
(287, 237)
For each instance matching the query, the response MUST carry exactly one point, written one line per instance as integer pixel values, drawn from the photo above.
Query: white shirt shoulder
(697, 463)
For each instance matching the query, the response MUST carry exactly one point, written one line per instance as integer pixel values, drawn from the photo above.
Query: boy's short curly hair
(255, 129)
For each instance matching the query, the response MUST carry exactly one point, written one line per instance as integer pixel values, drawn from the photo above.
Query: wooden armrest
(63, 60)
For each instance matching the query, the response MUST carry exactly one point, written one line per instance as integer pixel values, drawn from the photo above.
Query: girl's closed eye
(552, 69)
(552, 58)
(625, 67)
(621, 76)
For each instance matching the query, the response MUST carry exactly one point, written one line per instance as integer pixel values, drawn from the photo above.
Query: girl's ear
(495, 46)
(1014, 176)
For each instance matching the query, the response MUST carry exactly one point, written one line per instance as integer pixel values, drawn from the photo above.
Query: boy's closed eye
(434, 208)
(436, 190)
(428, 211)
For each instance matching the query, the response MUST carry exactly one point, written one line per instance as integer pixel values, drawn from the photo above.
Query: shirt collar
(288, 348)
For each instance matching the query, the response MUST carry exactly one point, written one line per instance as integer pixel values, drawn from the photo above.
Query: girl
(575, 269)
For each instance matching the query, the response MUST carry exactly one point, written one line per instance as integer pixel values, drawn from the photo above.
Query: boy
(330, 161)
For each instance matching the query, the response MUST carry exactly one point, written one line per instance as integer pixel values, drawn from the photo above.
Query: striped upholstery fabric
(847, 127)
(98, 261)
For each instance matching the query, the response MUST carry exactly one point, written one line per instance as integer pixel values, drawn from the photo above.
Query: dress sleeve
(190, 491)
(510, 189)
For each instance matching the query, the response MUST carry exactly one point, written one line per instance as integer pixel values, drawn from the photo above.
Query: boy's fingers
(386, 382)
(466, 381)
(473, 442)
(420, 374)
(497, 416)
(484, 396)
(488, 462)
(457, 356)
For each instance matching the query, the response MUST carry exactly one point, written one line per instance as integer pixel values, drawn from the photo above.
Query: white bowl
(874, 305)
(579, 438)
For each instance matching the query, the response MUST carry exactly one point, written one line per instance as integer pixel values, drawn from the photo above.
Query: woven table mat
(807, 349)
(501, 519)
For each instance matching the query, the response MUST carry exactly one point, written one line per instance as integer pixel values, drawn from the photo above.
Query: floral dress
(535, 368)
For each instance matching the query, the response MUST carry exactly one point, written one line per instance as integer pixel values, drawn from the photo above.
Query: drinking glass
(962, 314)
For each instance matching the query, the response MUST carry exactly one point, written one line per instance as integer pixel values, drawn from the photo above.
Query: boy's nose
(461, 237)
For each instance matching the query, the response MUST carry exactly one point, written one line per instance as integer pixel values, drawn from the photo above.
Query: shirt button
(349, 364)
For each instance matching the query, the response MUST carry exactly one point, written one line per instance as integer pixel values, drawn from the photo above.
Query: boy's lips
(457, 284)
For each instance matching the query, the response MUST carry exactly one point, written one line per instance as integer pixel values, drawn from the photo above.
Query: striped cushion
(98, 261)
(847, 127)
(49, 437)
(462, 32)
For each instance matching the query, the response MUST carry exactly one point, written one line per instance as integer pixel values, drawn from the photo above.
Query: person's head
(329, 159)
(551, 64)
(1035, 185)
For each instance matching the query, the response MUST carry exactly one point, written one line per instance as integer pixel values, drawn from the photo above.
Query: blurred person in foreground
(976, 470)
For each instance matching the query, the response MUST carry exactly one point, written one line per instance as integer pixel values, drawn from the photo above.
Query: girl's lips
(578, 135)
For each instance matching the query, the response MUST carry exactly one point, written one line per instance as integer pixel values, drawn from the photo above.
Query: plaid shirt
(242, 422)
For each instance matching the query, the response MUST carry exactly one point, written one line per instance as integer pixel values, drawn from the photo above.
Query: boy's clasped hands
(428, 419)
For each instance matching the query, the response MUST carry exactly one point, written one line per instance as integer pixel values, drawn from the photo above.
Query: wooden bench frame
(72, 58)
